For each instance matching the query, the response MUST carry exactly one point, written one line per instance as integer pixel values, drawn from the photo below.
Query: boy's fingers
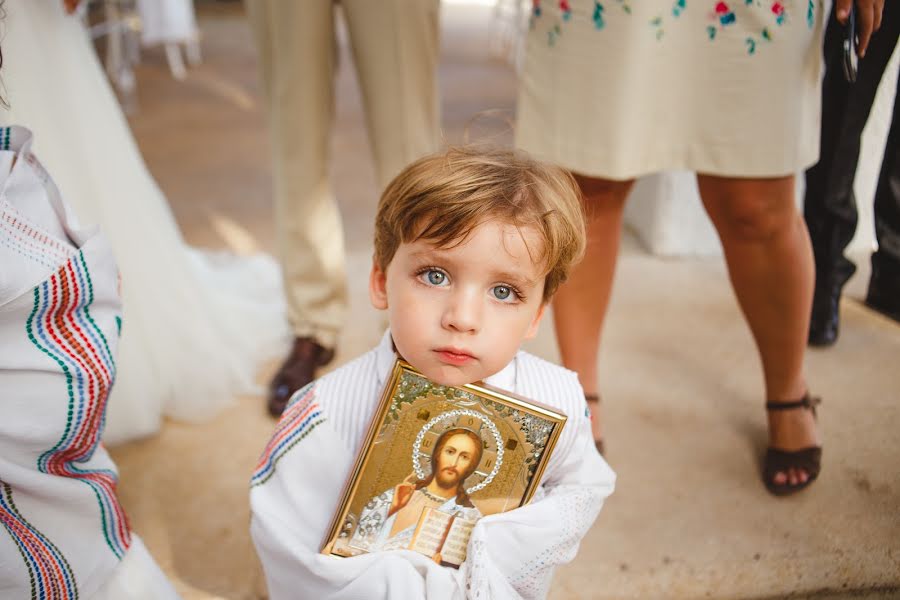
(842, 9)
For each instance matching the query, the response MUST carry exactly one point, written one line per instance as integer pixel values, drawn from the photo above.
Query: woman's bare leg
(770, 263)
(579, 307)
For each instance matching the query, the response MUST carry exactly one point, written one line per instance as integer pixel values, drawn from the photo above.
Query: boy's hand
(437, 558)
(402, 493)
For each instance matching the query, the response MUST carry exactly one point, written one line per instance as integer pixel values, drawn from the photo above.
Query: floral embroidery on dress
(554, 32)
(778, 11)
(565, 15)
(658, 22)
(721, 16)
(598, 16)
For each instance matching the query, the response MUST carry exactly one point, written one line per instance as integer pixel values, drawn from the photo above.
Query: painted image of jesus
(389, 520)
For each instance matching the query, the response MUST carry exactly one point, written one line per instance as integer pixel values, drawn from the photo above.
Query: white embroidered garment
(180, 304)
(64, 534)
(300, 477)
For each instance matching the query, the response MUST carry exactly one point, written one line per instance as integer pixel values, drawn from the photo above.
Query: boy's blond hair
(443, 197)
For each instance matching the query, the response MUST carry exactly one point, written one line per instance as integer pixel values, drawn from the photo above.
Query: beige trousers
(395, 48)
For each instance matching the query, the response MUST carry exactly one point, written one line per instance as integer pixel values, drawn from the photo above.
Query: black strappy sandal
(806, 459)
(595, 399)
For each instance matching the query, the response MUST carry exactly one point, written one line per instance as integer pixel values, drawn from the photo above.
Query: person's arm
(294, 495)
(402, 493)
(514, 554)
(293, 570)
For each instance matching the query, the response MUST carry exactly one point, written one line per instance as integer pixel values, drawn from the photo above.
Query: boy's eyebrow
(515, 279)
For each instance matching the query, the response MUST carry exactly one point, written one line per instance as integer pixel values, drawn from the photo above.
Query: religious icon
(437, 459)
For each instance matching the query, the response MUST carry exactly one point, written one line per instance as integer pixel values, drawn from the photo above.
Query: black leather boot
(884, 288)
(824, 322)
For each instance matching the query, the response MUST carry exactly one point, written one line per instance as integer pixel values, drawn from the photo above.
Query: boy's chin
(452, 376)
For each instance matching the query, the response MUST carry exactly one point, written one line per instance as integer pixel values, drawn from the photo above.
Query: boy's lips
(454, 356)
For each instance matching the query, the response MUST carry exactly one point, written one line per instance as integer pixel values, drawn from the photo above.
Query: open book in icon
(443, 535)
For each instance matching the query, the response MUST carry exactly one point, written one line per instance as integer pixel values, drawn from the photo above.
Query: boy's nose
(463, 313)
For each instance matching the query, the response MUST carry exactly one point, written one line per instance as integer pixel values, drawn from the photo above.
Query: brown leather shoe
(298, 369)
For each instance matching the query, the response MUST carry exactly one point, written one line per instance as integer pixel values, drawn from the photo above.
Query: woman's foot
(794, 454)
(593, 402)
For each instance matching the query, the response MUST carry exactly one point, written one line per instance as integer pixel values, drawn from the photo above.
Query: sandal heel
(807, 459)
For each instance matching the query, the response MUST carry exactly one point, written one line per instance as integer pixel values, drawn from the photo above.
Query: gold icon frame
(518, 437)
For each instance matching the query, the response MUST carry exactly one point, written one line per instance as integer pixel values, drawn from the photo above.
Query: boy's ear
(378, 287)
(533, 328)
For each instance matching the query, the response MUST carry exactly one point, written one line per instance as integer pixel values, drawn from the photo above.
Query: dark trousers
(830, 204)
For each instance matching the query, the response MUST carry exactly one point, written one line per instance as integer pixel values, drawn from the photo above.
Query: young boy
(469, 248)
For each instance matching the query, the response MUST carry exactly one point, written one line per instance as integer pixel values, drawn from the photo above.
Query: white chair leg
(192, 51)
(114, 54)
(176, 62)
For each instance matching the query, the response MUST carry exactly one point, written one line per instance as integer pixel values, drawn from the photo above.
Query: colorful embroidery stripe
(61, 326)
(49, 573)
(16, 222)
(24, 251)
(5, 132)
(26, 240)
(301, 417)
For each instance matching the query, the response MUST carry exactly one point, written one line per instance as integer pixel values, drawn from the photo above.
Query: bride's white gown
(196, 325)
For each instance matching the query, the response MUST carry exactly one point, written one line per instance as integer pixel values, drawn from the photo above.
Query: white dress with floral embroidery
(623, 88)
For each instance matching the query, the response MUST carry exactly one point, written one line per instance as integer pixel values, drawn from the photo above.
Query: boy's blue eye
(436, 277)
(502, 292)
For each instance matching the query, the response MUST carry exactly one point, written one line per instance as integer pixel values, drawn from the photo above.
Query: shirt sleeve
(293, 495)
(293, 570)
(515, 554)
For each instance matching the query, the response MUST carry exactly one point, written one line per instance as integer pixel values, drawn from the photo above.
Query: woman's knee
(752, 210)
(603, 194)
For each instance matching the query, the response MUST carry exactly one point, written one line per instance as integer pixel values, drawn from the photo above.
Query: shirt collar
(504, 379)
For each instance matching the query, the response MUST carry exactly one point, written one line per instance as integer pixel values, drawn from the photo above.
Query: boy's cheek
(536, 322)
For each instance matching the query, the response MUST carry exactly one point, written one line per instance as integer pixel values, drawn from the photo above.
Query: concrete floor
(682, 384)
